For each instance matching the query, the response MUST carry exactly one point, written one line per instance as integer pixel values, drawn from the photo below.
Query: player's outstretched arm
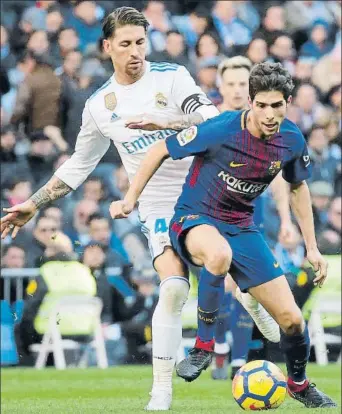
(20, 214)
(281, 194)
(149, 165)
(302, 208)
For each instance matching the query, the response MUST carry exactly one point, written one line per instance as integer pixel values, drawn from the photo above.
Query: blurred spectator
(69, 71)
(248, 14)
(16, 190)
(207, 74)
(231, 29)
(54, 23)
(12, 257)
(311, 109)
(193, 25)
(273, 22)
(68, 41)
(329, 241)
(100, 232)
(174, 51)
(321, 195)
(4, 82)
(78, 230)
(37, 102)
(303, 70)
(208, 46)
(90, 77)
(43, 235)
(41, 156)
(53, 213)
(84, 20)
(10, 160)
(257, 50)
(38, 43)
(318, 44)
(8, 59)
(290, 254)
(327, 71)
(324, 165)
(282, 50)
(160, 24)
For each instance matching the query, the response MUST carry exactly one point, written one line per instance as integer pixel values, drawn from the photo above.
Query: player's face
(234, 88)
(127, 49)
(269, 111)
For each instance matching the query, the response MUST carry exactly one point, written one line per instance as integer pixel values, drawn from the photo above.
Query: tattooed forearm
(186, 121)
(52, 190)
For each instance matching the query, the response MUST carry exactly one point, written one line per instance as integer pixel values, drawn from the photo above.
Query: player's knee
(218, 260)
(291, 322)
(173, 294)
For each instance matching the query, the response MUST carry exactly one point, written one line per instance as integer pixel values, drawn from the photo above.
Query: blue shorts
(253, 262)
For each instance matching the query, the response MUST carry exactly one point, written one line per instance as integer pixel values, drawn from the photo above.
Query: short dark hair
(268, 76)
(120, 17)
(96, 216)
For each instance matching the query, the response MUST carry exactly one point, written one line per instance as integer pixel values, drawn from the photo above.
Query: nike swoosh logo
(275, 264)
(234, 165)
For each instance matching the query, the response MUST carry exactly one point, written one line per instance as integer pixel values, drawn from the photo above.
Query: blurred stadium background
(51, 62)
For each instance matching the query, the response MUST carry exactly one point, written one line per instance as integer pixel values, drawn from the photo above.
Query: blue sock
(210, 296)
(241, 329)
(223, 319)
(296, 349)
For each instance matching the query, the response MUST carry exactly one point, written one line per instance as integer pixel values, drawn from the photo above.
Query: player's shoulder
(104, 96)
(233, 118)
(291, 132)
(163, 67)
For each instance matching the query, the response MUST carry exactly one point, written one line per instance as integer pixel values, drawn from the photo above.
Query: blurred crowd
(52, 60)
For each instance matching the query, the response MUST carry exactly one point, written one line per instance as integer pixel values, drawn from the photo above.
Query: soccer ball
(259, 385)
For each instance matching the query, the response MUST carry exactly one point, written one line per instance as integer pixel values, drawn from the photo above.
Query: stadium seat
(9, 355)
(319, 339)
(52, 340)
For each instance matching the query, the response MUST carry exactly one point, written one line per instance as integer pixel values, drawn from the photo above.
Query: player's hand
(120, 209)
(16, 218)
(319, 265)
(147, 122)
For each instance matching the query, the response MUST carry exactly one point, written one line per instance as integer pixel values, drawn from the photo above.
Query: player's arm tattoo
(52, 190)
(186, 121)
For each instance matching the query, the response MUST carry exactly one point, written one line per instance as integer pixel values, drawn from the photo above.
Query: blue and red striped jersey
(231, 167)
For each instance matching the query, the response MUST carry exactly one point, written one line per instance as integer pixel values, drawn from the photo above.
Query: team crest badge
(275, 167)
(161, 101)
(110, 101)
(187, 135)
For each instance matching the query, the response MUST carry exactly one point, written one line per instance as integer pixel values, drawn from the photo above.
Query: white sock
(221, 348)
(167, 329)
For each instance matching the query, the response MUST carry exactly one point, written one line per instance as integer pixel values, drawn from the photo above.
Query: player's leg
(221, 348)
(166, 320)
(215, 258)
(277, 298)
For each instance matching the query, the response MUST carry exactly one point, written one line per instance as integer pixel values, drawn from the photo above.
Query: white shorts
(156, 229)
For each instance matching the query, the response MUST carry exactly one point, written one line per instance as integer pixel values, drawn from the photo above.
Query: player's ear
(289, 99)
(250, 103)
(106, 46)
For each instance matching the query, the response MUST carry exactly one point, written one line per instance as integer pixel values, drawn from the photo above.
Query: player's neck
(252, 126)
(225, 106)
(124, 78)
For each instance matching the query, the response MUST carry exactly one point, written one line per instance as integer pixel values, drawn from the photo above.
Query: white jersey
(165, 90)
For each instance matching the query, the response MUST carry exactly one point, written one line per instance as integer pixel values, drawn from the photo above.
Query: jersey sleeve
(299, 169)
(195, 140)
(189, 97)
(90, 147)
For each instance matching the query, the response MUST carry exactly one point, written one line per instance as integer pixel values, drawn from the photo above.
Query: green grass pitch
(125, 390)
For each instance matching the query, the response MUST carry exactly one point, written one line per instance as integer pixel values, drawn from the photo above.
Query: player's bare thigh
(277, 298)
(170, 264)
(207, 247)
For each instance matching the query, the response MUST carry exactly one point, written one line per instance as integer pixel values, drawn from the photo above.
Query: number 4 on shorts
(160, 226)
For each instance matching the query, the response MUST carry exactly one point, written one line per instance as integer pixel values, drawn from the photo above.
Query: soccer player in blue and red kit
(237, 155)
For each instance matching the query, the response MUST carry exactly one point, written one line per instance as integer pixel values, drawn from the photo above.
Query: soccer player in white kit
(113, 113)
